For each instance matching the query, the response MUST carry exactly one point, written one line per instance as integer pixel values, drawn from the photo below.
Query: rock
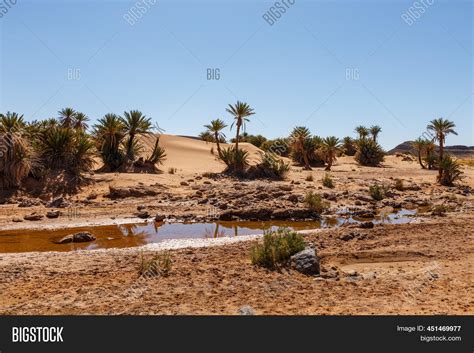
(29, 203)
(352, 235)
(330, 196)
(246, 310)
(17, 219)
(306, 261)
(285, 187)
(80, 237)
(366, 225)
(183, 183)
(60, 202)
(293, 198)
(83, 237)
(363, 214)
(123, 192)
(141, 207)
(33, 217)
(207, 182)
(143, 214)
(159, 218)
(92, 196)
(53, 214)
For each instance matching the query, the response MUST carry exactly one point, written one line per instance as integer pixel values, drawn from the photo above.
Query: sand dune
(192, 155)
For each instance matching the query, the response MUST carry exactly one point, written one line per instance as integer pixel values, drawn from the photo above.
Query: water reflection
(131, 235)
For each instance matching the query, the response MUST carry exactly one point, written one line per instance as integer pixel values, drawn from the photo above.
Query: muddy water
(131, 235)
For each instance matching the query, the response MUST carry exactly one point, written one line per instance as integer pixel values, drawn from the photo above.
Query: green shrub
(327, 181)
(235, 160)
(451, 171)
(377, 192)
(157, 265)
(309, 177)
(315, 202)
(272, 166)
(369, 153)
(277, 248)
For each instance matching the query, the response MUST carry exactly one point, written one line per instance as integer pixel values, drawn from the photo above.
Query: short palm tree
(362, 131)
(80, 122)
(419, 145)
(16, 155)
(430, 154)
(300, 138)
(240, 111)
(109, 133)
(67, 117)
(215, 128)
(375, 131)
(135, 123)
(441, 128)
(330, 148)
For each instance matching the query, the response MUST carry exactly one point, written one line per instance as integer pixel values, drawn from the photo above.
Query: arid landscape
(408, 252)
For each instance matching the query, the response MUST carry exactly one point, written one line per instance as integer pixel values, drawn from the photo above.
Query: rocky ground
(420, 268)
(390, 269)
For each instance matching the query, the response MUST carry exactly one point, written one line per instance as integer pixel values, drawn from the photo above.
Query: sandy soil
(419, 268)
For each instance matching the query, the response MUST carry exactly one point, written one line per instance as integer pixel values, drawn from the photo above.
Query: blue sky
(328, 65)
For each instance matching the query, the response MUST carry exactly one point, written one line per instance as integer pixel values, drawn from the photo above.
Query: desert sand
(424, 267)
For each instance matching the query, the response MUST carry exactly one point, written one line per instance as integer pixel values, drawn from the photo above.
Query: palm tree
(331, 146)
(430, 151)
(67, 117)
(240, 111)
(215, 128)
(109, 133)
(16, 155)
(362, 131)
(299, 142)
(419, 146)
(441, 127)
(135, 123)
(80, 122)
(375, 131)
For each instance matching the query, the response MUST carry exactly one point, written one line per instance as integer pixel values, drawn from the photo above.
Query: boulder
(160, 218)
(306, 261)
(366, 225)
(80, 237)
(123, 192)
(33, 217)
(53, 214)
(143, 214)
(60, 202)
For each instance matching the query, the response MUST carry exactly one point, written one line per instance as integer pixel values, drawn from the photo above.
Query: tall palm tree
(419, 146)
(441, 127)
(299, 143)
(215, 127)
(331, 146)
(240, 111)
(375, 131)
(67, 117)
(135, 123)
(80, 122)
(362, 131)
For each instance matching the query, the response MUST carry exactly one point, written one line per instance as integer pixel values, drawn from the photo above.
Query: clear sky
(328, 65)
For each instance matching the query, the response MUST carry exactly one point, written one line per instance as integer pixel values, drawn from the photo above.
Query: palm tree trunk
(237, 137)
(130, 146)
(419, 160)
(441, 153)
(306, 161)
(216, 136)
